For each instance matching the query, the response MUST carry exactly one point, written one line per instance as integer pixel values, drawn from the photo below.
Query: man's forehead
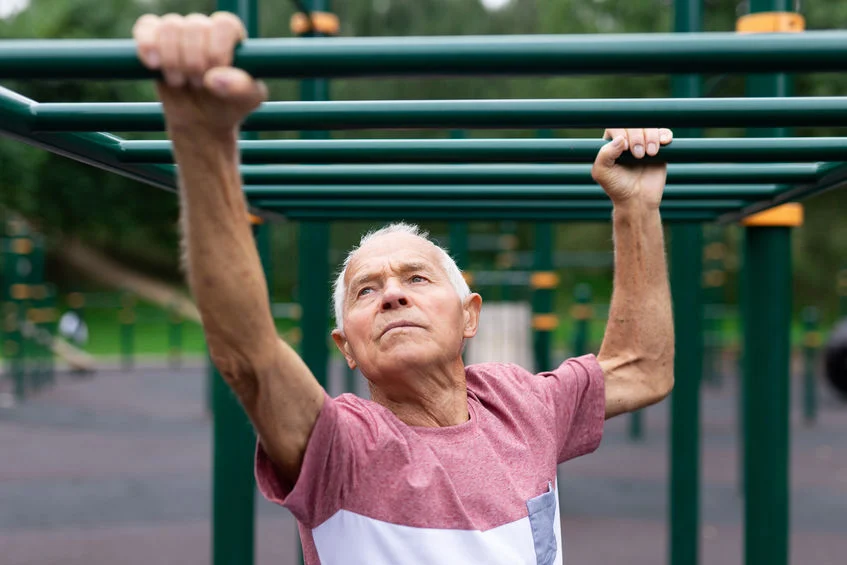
(393, 248)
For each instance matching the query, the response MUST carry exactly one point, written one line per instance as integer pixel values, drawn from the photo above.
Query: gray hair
(454, 275)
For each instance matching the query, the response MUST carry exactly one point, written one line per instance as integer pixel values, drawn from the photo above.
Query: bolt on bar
(659, 53)
(788, 173)
(488, 192)
(706, 150)
(468, 114)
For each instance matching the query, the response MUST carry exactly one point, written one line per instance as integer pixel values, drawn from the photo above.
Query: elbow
(664, 386)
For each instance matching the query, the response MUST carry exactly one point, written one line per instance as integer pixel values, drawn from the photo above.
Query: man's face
(401, 313)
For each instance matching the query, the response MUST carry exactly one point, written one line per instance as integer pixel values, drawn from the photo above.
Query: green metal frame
(472, 114)
(797, 167)
(543, 180)
(509, 55)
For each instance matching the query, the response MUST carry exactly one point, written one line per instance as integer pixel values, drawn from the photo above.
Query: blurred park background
(125, 448)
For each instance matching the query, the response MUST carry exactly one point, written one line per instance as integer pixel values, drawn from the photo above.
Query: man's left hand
(642, 183)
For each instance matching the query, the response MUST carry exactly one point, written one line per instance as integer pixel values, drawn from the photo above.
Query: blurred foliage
(138, 223)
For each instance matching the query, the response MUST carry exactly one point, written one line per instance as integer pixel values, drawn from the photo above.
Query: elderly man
(446, 463)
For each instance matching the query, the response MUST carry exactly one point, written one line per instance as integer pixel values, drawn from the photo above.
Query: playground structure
(755, 181)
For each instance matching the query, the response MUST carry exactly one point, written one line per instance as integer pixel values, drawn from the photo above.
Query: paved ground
(115, 469)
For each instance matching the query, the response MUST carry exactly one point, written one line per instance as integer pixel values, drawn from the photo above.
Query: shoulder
(507, 382)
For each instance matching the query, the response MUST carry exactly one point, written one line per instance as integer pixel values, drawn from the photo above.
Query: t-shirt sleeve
(576, 393)
(343, 435)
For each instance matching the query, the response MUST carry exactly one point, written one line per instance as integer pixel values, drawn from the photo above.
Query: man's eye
(417, 278)
(364, 291)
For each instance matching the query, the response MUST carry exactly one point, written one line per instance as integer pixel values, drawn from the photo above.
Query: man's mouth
(398, 324)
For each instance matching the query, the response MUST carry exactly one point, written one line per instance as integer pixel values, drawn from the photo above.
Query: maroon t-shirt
(373, 490)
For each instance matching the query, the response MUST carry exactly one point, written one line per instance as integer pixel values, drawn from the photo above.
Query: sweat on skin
(479, 444)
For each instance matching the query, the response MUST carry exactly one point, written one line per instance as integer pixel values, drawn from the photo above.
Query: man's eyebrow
(404, 267)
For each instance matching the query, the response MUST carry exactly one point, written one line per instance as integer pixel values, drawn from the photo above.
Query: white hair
(454, 275)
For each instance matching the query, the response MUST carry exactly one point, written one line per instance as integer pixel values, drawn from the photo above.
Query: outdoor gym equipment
(730, 189)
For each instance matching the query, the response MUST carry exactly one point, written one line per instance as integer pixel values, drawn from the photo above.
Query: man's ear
(344, 347)
(472, 305)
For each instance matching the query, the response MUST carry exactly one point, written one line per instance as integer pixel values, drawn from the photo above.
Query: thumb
(606, 158)
(235, 85)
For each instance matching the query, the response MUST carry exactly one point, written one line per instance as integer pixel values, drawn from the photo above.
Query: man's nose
(394, 296)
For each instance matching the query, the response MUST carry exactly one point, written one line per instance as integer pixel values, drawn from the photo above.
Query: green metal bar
(475, 114)
(406, 212)
(175, 323)
(686, 271)
(582, 318)
(656, 53)
(469, 206)
(714, 277)
(831, 176)
(543, 298)
(127, 319)
(811, 346)
(459, 244)
(234, 442)
(766, 355)
(314, 272)
(788, 173)
(686, 268)
(749, 150)
(767, 359)
(96, 149)
(495, 192)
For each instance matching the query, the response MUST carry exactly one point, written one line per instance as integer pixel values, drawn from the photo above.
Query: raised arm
(205, 100)
(638, 347)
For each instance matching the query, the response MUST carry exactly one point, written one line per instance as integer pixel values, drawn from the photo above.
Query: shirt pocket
(542, 518)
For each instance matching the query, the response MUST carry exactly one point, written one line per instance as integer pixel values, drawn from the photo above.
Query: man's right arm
(278, 392)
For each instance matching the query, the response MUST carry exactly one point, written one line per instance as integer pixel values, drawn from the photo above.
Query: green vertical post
(127, 319)
(174, 338)
(686, 267)
(459, 243)
(811, 345)
(767, 355)
(543, 297)
(713, 281)
(19, 268)
(581, 316)
(51, 305)
(234, 441)
(314, 271)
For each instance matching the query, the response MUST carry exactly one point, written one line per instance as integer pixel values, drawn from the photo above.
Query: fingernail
(665, 137)
(152, 58)
(638, 151)
(652, 149)
(220, 84)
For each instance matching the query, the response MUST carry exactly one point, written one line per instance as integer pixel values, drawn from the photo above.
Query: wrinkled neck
(433, 398)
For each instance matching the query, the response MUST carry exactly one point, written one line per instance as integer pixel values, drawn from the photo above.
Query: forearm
(223, 268)
(638, 346)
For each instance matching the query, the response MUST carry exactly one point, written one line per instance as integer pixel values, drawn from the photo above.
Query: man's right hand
(201, 91)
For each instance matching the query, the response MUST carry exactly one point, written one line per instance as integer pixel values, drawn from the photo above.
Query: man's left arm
(637, 352)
